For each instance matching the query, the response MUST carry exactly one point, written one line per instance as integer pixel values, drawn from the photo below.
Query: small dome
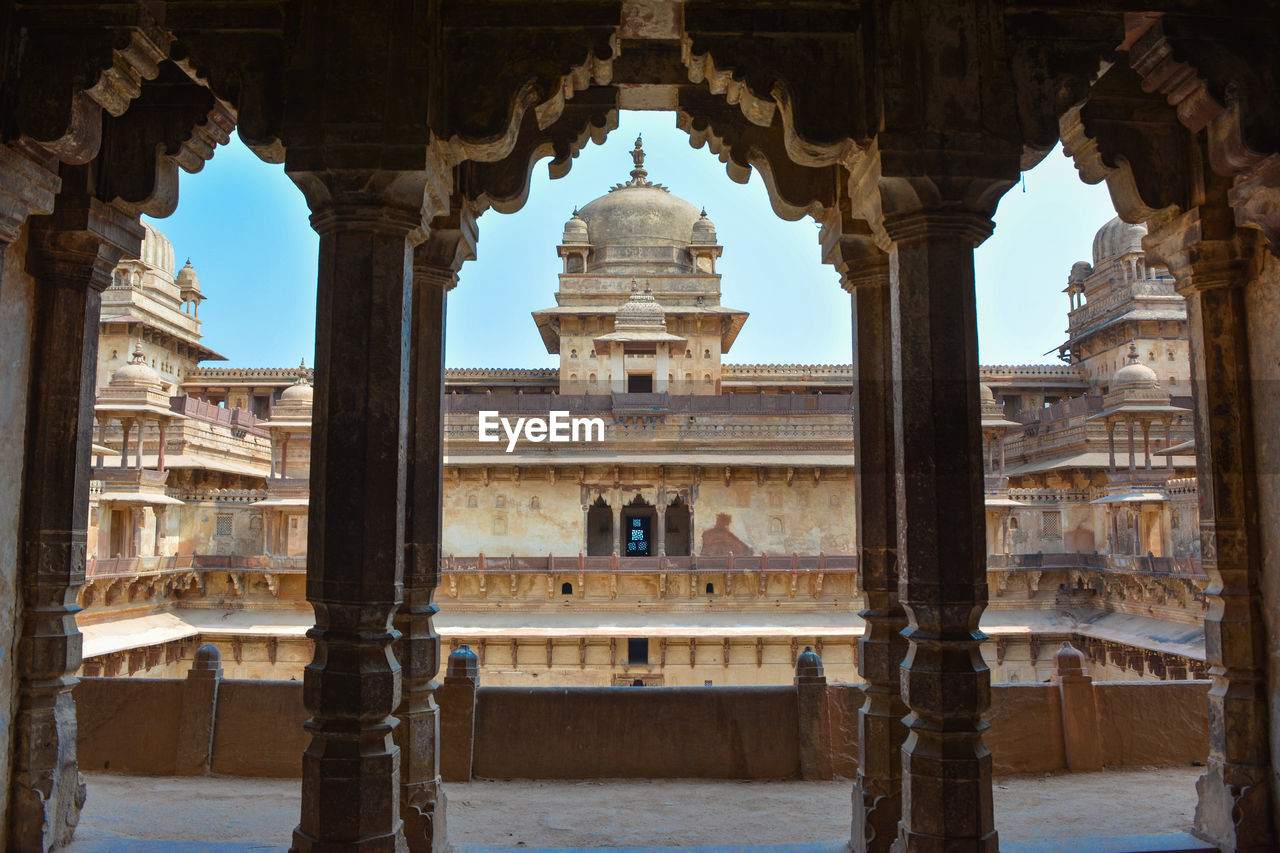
(575, 230)
(136, 374)
(300, 392)
(641, 311)
(187, 280)
(157, 251)
(1116, 239)
(1068, 660)
(1133, 374)
(1080, 270)
(985, 394)
(808, 664)
(704, 231)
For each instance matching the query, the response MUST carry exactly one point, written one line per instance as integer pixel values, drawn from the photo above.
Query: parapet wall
(254, 728)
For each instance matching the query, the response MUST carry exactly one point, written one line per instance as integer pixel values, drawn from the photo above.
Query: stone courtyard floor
(226, 813)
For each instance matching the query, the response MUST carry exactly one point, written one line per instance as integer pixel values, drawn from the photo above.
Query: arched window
(706, 353)
(711, 589)
(573, 353)
(566, 588)
(706, 379)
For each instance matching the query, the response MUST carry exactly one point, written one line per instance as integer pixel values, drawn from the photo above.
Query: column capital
(917, 226)
(387, 201)
(82, 240)
(1203, 249)
(27, 188)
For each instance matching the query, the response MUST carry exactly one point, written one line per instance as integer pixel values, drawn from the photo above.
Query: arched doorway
(599, 529)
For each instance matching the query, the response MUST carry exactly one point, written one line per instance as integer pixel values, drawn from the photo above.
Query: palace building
(706, 538)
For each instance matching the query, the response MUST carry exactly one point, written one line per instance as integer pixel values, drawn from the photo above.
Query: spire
(639, 177)
(1133, 353)
(138, 356)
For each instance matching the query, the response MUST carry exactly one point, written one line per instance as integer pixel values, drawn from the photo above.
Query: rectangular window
(638, 651)
(222, 526)
(1051, 525)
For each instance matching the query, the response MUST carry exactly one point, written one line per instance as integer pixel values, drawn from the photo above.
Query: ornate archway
(897, 126)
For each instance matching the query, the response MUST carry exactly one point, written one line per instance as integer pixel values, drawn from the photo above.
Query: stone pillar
(1235, 807)
(877, 789)
(1080, 734)
(946, 768)
(422, 801)
(284, 455)
(617, 528)
(815, 722)
(458, 714)
(355, 546)
(72, 254)
(126, 426)
(164, 430)
(199, 709)
(660, 537)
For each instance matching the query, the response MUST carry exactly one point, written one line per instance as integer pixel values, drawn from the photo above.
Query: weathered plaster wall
(508, 517)
(774, 517)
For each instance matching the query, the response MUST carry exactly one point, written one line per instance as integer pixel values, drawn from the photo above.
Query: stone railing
(690, 404)
(1088, 404)
(231, 496)
(1059, 373)
(116, 567)
(233, 419)
(613, 564)
(1129, 564)
(204, 724)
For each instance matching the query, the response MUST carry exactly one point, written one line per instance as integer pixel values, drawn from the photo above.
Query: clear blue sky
(244, 226)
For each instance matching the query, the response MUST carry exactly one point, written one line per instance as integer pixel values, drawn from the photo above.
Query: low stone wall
(636, 732)
(205, 723)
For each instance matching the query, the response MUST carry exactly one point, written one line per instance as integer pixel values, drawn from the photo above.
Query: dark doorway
(638, 651)
(639, 383)
(599, 529)
(678, 535)
(566, 588)
(711, 589)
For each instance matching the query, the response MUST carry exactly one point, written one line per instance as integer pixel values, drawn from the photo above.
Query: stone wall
(136, 726)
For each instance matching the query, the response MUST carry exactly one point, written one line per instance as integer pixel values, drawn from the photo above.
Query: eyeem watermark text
(556, 427)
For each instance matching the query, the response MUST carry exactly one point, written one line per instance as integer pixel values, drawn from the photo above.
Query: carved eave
(550, 53)
(768, 76)
(795, 191)
(76, 64)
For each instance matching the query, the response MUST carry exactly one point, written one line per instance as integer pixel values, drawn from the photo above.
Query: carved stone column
(1235, 807)
(355, 545)
(435, 265)
(72, 254)
(877, 788)
(937, 439)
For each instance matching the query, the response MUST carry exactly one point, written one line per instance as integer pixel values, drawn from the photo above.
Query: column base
(424, 820)
(303, 843)
(875, 817)
(1236, 816)
(918, 843)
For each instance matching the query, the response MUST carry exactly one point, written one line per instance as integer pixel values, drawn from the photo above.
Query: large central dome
(638, 227)
(639, 215)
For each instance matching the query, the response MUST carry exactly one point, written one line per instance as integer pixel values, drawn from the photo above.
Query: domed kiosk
(639, 255)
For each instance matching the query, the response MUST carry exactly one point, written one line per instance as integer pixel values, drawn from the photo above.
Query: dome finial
(1133, 353)
(634, 286)
(639, 177)
(138, 356)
